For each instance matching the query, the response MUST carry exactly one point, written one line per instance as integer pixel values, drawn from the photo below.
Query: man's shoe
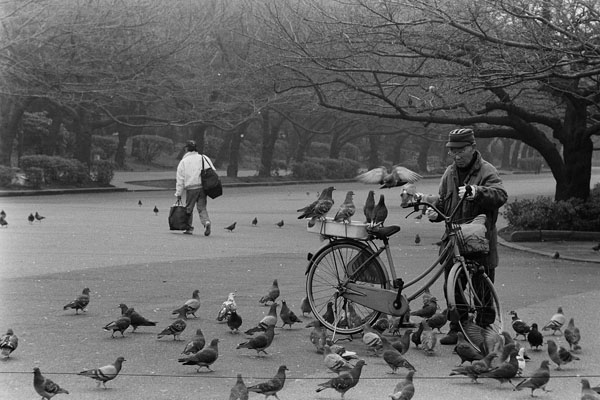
(207, 229)
(450, 338)
(188, 232)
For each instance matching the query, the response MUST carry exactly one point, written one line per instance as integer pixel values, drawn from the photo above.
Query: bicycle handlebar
(420, 202)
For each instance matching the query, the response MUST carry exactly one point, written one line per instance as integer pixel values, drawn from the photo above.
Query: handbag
(211, 183)
(178, 217)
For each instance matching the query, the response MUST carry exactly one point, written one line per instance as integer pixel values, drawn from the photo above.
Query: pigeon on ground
(537, 380)
(341, 350)
(380, 212)
(272, 295)
(556, 322)
(234, 322)
(393, 358)
(572, 335)
(476, 368)
(227, 306)
(322, 207)
(239, 391)
(519, 326)
(254, 223)
(3, 222)
(38, 217)
(521, 361)
(105, 373)
(259, 342)
(204, 358)
(31, 218)
(438, 320)
(417, 239)
(396, 176)
(175, 329)
(287, 316)
(346, 210)
(335, 362)
(369, 206)
(403, 343)
(272, 386)
(8, 343)
(428, 338)
(466, 351)
(505, 371)
(268, 320)
(587, 393)
(416, 336)
(155, 210)
(405, 389)
(196, 344)
(329, 314)
(280, 224)
(559, 355)
(231, 227)
(119, 325)
(46, 387)
(181, 312)
(3, 214)
(305, 306)
(428, 309)
(535, 337)
(556, 255)
(192, 305)
(80, 302)
(318, 335)
(139, 203)
(596, 247)
(136, 318)
(371, 338)
(344, 381)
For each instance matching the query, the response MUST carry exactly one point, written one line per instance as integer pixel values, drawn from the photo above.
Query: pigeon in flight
(46, 387)
(105, 373)
(397, 176)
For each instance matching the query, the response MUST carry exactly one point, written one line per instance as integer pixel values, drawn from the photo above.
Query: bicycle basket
(471, 237)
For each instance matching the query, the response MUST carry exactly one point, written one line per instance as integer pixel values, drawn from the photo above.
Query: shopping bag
(178, 217)
(211, 183)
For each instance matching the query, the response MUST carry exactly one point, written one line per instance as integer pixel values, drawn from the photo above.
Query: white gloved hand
(463, 189)
(431, 214)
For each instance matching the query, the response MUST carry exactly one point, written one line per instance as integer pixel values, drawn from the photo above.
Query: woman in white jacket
(188, 179)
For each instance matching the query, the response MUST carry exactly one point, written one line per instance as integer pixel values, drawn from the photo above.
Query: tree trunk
(335, 145)
(423, 154)
(397, 150)
(374, 161)
(83, 138)
(51, 146)
(198, 134)
(223, 152)
(506, 146)
(11, 111)
(270, 133)
(234, 150)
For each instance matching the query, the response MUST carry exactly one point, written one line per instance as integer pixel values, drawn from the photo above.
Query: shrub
(104, 146)
(65, 171)
(145, 148)
(308, 170)
(102, 171)
(545, 214)
(6, 176)
(325, 168)
(35, 176)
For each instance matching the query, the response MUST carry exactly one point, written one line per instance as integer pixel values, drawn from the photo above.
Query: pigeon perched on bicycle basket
(396, 176)
(346, 210)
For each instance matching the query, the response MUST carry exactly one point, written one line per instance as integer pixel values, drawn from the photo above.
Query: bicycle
(348, 275)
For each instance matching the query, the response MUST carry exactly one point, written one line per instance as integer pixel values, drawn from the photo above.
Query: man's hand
(470, 192)
(178, 198)
(431, 214)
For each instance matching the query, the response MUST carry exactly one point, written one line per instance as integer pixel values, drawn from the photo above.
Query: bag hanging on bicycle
(211, 183)
(472, 237)
(178, 218)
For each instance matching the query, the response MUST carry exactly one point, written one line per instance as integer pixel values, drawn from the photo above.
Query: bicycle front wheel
(328, 270)
(475, 301)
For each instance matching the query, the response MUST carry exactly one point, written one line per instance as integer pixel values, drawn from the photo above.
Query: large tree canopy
(526, 70)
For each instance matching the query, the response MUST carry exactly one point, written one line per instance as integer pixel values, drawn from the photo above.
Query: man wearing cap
(188, 179)
(486, 196)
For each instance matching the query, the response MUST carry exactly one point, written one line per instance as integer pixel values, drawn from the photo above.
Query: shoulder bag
(211, 183)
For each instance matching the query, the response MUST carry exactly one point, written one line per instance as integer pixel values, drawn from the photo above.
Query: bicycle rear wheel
(476, 303)
(328, 269)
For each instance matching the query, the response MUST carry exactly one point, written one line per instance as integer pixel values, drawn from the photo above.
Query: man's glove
(431, 214)
(178, 198)
(470, 192)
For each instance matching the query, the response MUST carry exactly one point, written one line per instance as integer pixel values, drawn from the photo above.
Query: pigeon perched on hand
(535, 337)
(268, 320)
(136, 318)
(346, 210)
(272, 295)
(46, 387)
(520, 327)
(196, 344)
(227, 306)
(175, 329)
(405, 390)
(273, 385)
(105, 373)
(259, 342)
(234, 322)
(8, 343)
(204, 358)
(80, 302)
(344, 381)
(287, 316)
(119, 325)
(369, 207)
(572, 335)
(239, 391)
(192, 305)
(556, 322)
(537, 380)
(397, 176)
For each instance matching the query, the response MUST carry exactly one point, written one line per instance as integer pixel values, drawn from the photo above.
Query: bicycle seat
(383, 232)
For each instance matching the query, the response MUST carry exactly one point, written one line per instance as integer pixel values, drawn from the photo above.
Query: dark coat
(490, 196)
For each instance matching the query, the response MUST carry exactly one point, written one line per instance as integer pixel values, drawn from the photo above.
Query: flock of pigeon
(31, 218)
